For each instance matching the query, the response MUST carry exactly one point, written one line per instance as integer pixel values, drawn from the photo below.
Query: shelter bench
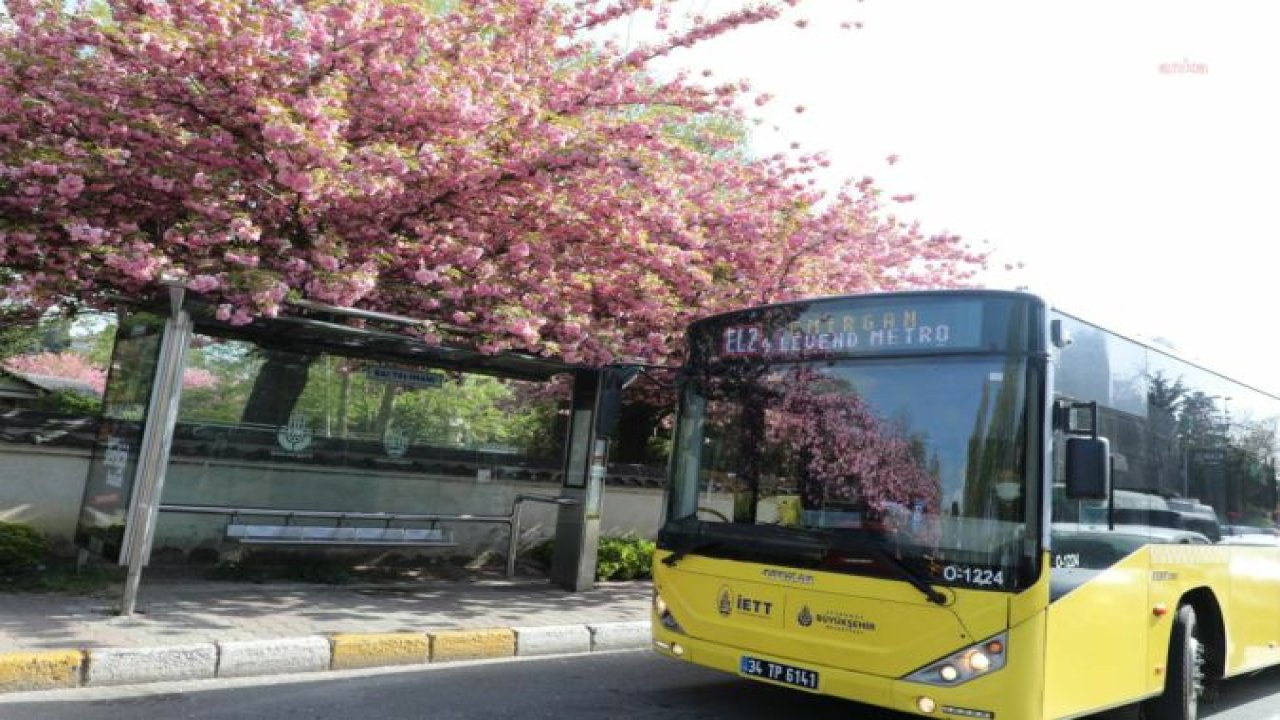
(288, 533)
(341, 535)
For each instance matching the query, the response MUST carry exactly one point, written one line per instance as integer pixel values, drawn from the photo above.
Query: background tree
(19, 339)
(490, 166)
(1166, 451)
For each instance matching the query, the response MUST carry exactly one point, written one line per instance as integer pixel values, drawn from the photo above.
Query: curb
(552, 640)
(619, 636)
(98, 667)
(49, 670)
(361, 650)
(128, 666)
(249, 658)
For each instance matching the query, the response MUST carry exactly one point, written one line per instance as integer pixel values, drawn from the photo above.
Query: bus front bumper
(980, 698)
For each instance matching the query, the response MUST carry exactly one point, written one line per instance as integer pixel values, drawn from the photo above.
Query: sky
(1126, 154)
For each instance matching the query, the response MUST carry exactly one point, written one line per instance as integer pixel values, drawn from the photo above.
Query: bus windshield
(922, 459)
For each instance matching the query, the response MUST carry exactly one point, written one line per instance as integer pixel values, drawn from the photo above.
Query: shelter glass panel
(278, 430)
(109, 485)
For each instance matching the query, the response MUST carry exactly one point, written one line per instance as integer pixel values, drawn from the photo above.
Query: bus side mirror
(1088, 468)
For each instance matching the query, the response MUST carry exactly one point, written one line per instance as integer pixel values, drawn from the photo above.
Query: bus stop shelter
(125, 491)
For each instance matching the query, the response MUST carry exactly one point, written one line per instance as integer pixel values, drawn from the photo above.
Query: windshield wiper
(744, 539)
(815, 539)
(918, 580)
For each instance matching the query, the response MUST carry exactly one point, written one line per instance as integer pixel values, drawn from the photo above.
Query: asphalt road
(623, 685)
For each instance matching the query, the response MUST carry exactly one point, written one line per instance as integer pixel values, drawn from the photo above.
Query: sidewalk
(192, 628)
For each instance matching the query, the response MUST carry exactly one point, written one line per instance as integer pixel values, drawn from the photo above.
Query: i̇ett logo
(728, 602)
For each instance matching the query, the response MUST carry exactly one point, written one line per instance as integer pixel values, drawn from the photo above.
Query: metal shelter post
(157, 437)
(573, 564)
(597, 406)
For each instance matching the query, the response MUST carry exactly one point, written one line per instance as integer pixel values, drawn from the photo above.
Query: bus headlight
(962, 666)
(663, 612)
(978, 661)
(659, 605)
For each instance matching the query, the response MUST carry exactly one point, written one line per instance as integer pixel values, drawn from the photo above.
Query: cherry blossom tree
(76, 367)
(490, 166)
(849, 454)
(63, 365)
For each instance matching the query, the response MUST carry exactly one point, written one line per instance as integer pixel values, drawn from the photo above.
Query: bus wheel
(1184, 677)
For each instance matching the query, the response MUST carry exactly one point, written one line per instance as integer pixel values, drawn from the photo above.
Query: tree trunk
(384, 412)
(276, 390)
(344, 396)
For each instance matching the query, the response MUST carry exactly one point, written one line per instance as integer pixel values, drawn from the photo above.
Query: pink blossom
(242, 259)
(297, 181)
(70, 186)
(203, 283)
(198, 379)
(83, 233)
(245, 229)
(526, 330)
(283, 134)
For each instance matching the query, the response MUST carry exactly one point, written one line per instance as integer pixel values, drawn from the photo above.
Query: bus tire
(1184, 674)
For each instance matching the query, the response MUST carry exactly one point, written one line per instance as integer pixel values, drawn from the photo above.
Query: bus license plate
(779, 673)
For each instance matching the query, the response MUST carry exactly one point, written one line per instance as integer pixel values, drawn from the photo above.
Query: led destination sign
(853, 328)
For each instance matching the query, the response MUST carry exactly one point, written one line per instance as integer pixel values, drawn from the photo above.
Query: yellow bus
(966, 504)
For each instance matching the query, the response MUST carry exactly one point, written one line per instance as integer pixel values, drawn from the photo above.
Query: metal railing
(511, 520)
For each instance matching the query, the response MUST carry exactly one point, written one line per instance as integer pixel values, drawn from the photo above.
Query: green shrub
(68, 402)
(62, 576)
(617, 558)
(624, 558)
(21, 548)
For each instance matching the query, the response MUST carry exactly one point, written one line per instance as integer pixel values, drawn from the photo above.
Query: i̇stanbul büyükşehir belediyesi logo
(804, 617)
